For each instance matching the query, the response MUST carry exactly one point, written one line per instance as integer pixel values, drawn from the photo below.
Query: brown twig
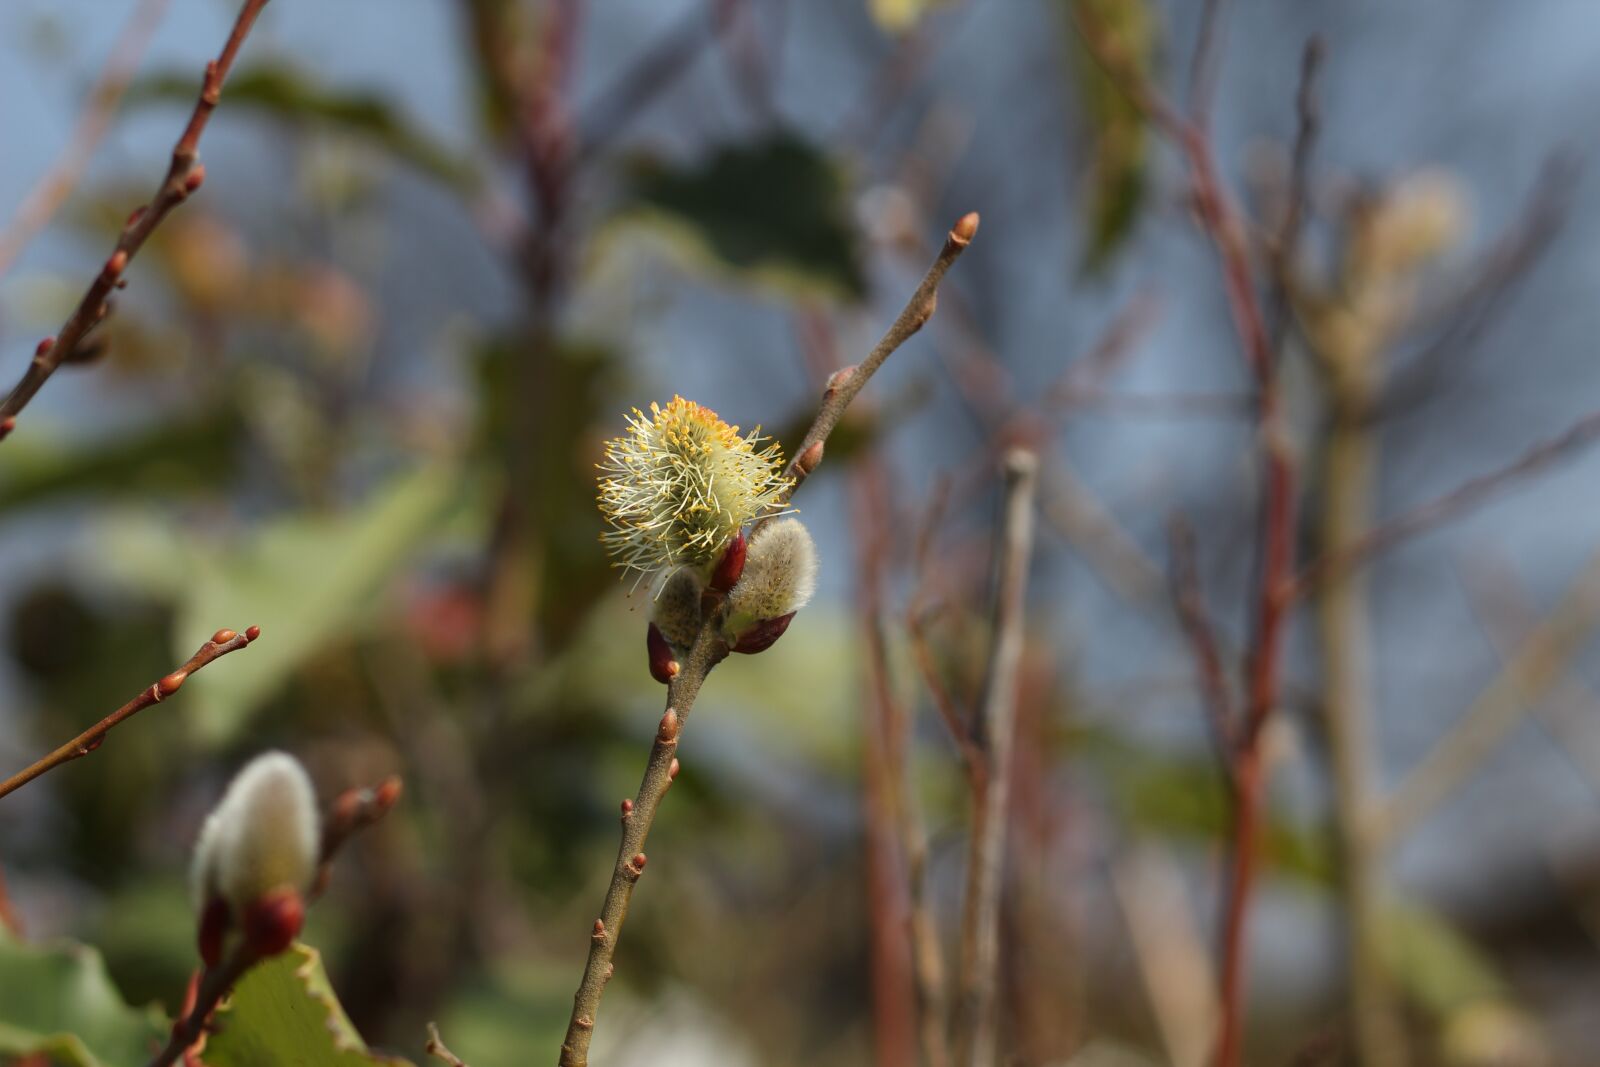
(10, 920)
(53, 188)
(438, 1050)
(353, 811)
(1189, 603)
(980, 936)
(844, 385)
(184, 175)
(221, 643)
(1419, 520)
(708, 650)
(215, 982)
(1220, 220)
(1287, 244)
(1206, 62)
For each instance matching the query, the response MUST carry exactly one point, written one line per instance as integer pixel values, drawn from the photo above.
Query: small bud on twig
(731, 565)
(663, 666)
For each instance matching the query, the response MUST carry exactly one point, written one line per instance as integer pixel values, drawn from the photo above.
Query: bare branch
(1189, 603)
(184, 176)
(846, 383)
(1428, 516)
(221, 643)
(980, 936)
(53, 188)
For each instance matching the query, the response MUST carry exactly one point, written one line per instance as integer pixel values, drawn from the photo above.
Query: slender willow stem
(708, 650)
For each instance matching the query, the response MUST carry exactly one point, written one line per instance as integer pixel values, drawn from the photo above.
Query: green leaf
(1432, 963)
(284, 1011)
(775, 210)
(58, 1000)
(284, 92)
(1119, 138)
(309, 581)
(178, 456)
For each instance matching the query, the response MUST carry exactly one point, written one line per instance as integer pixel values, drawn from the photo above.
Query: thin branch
(10, 920)
(846, 383)
(221, 643)
(708, 650)
(1428, 516)
(1205, 63)
(439, 1051)
(56, 184)
(184, 176)
(980, 937)
(1189, 603)
(216, 982)
(353, 811)
(1525, 679)
(1286, 247)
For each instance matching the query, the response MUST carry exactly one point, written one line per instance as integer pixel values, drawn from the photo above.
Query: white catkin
(263, 835)
(780, 572)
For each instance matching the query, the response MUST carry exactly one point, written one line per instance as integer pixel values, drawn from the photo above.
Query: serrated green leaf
(57, 1000)
(775, 210)
(284, 1011)
(285, 92)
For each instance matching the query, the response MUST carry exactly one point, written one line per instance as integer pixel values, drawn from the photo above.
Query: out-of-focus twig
(221, 643)
(1427, 516)
(1188, 602)
(53, 188)
(1508, 620)
(10, 921)
(184, 175)
(707, 651)
(980, 936)
(1171, 957)
(1527, 676)
(1285, 248)
(439, 1051)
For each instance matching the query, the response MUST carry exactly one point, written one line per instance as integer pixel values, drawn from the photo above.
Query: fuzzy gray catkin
(780, 573)
(263, 835)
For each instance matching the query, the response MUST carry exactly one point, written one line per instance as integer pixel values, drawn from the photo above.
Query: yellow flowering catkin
(680, 484)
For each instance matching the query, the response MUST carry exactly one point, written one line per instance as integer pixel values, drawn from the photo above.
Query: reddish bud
(731, 565)
(627, 807)
(195, 178)
(966, 227)
(222, 637)
(639, 861)
(599, 929)
(172, 682)
(117, 263)
(668, 730)
(810, 458)
(273, 922)
(387, 793)
(663, 667)
(7, 424)
(44, 347)
(252, 633)
(763, 635)
(672, 771)
(214, 921)
(837, 379)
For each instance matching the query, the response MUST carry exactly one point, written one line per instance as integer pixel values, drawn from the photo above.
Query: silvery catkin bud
(780, 574)
(257, 854)
(676, 608)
